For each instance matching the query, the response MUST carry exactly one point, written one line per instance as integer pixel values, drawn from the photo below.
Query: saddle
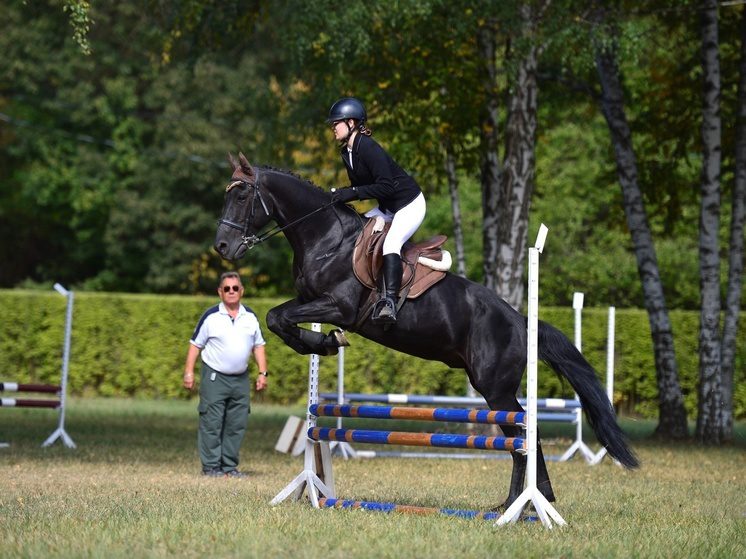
(425, 263)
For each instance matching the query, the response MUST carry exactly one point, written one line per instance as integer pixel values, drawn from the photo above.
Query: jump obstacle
(556, 410)
(59, 390)
(23, 403)
(317, 476)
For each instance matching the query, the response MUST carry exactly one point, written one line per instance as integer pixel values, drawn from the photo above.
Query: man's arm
(191, 359)
(261, 362)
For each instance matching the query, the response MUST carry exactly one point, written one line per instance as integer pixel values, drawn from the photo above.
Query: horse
(458, 322)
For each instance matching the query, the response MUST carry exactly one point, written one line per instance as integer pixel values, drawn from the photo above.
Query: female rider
(374, 174)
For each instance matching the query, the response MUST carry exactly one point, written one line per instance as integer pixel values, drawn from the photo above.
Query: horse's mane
(307, 182)
(292, 174)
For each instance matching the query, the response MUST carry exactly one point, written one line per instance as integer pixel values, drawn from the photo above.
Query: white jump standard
(60, 391)
(531, 493)
(311, 477)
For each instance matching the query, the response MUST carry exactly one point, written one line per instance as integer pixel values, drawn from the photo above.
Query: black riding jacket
(374, 174)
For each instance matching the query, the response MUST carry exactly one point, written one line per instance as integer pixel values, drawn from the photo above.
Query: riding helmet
(347, 107)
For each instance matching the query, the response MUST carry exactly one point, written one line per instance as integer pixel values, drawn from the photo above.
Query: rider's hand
(344, 195)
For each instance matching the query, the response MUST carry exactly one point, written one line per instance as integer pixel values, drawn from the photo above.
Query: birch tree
(735, 259)
(507, 185)
(672, 420)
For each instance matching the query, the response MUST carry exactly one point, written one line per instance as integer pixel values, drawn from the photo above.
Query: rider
(374, 174)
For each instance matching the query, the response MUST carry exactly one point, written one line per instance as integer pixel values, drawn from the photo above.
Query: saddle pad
(367, 260)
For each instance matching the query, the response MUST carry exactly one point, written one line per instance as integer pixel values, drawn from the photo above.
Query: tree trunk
(517, 179)
(735, 264)
(490, 161)
(672, 414)
(709, 419)
(458, 232)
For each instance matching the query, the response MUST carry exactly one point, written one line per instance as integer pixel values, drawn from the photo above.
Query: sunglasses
(234, 288)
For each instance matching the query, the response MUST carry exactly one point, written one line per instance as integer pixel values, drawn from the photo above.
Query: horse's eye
(242, 198)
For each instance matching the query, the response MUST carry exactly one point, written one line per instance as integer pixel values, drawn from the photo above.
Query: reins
(252, 240)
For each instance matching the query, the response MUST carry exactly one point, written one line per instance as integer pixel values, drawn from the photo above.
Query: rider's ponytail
(364, 130)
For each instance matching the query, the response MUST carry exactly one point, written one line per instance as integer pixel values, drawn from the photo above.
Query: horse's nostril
(221, 247)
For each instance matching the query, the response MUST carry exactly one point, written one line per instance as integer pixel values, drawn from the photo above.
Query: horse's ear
(232, 160)
(245, 165)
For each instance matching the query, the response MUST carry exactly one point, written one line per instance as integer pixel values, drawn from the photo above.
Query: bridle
(252, 240)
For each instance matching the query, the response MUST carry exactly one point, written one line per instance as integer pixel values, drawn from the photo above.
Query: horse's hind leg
(496, 364)
(542, 474)
(501, 396)
(518, 474)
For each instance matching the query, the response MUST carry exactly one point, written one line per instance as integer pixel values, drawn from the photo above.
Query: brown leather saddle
(417, 277)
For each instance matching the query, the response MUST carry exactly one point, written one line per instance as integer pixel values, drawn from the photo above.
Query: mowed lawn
(132, 489)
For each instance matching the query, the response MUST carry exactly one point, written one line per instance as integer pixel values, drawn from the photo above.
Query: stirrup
(384, 311)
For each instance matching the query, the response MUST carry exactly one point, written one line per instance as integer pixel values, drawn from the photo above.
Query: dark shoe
(236, 474)
(214, 472)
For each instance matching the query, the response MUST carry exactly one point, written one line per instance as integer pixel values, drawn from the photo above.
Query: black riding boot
(385, 309)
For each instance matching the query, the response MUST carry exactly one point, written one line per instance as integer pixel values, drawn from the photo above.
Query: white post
(609, 372)
(610, 355)
(60, 431)
(342, 448)
(544, 508)
(579, 444)
(308, 479)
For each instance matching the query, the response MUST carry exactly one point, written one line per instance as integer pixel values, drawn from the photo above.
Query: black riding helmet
(347, 107)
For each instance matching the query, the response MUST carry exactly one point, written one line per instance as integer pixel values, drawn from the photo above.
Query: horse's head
(245, 210)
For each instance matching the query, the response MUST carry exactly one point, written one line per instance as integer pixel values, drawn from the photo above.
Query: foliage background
(135, 345)
(111, 164)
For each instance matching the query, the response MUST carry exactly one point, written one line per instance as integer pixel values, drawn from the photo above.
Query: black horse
(459, 322)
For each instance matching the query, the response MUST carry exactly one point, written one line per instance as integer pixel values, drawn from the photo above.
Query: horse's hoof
(340, 338)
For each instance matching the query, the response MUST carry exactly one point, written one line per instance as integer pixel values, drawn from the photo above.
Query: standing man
(226, 334)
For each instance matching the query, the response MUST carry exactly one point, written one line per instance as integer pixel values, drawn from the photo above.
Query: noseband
(252, 240)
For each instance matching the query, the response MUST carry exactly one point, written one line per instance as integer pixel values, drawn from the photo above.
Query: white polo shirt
(227, 343)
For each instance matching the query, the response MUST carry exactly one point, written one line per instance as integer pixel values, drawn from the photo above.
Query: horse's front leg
(284, 319)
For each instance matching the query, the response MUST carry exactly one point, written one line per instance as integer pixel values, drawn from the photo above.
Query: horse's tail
(557, 350)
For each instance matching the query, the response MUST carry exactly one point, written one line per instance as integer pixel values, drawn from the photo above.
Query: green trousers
(223, 416)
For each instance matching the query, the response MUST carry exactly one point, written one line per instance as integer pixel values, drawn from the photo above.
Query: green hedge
(135, 345)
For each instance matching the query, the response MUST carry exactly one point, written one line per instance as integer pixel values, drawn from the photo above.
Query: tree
(735, 260)
(80, 22)
(714, 420)
(517, 179)
(672, 414)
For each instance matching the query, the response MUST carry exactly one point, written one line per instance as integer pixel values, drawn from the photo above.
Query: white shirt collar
(222, 309)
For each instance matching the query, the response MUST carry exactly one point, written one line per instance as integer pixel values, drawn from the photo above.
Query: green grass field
(132, 489)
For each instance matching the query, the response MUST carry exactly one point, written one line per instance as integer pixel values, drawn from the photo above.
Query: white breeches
(404, 223)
